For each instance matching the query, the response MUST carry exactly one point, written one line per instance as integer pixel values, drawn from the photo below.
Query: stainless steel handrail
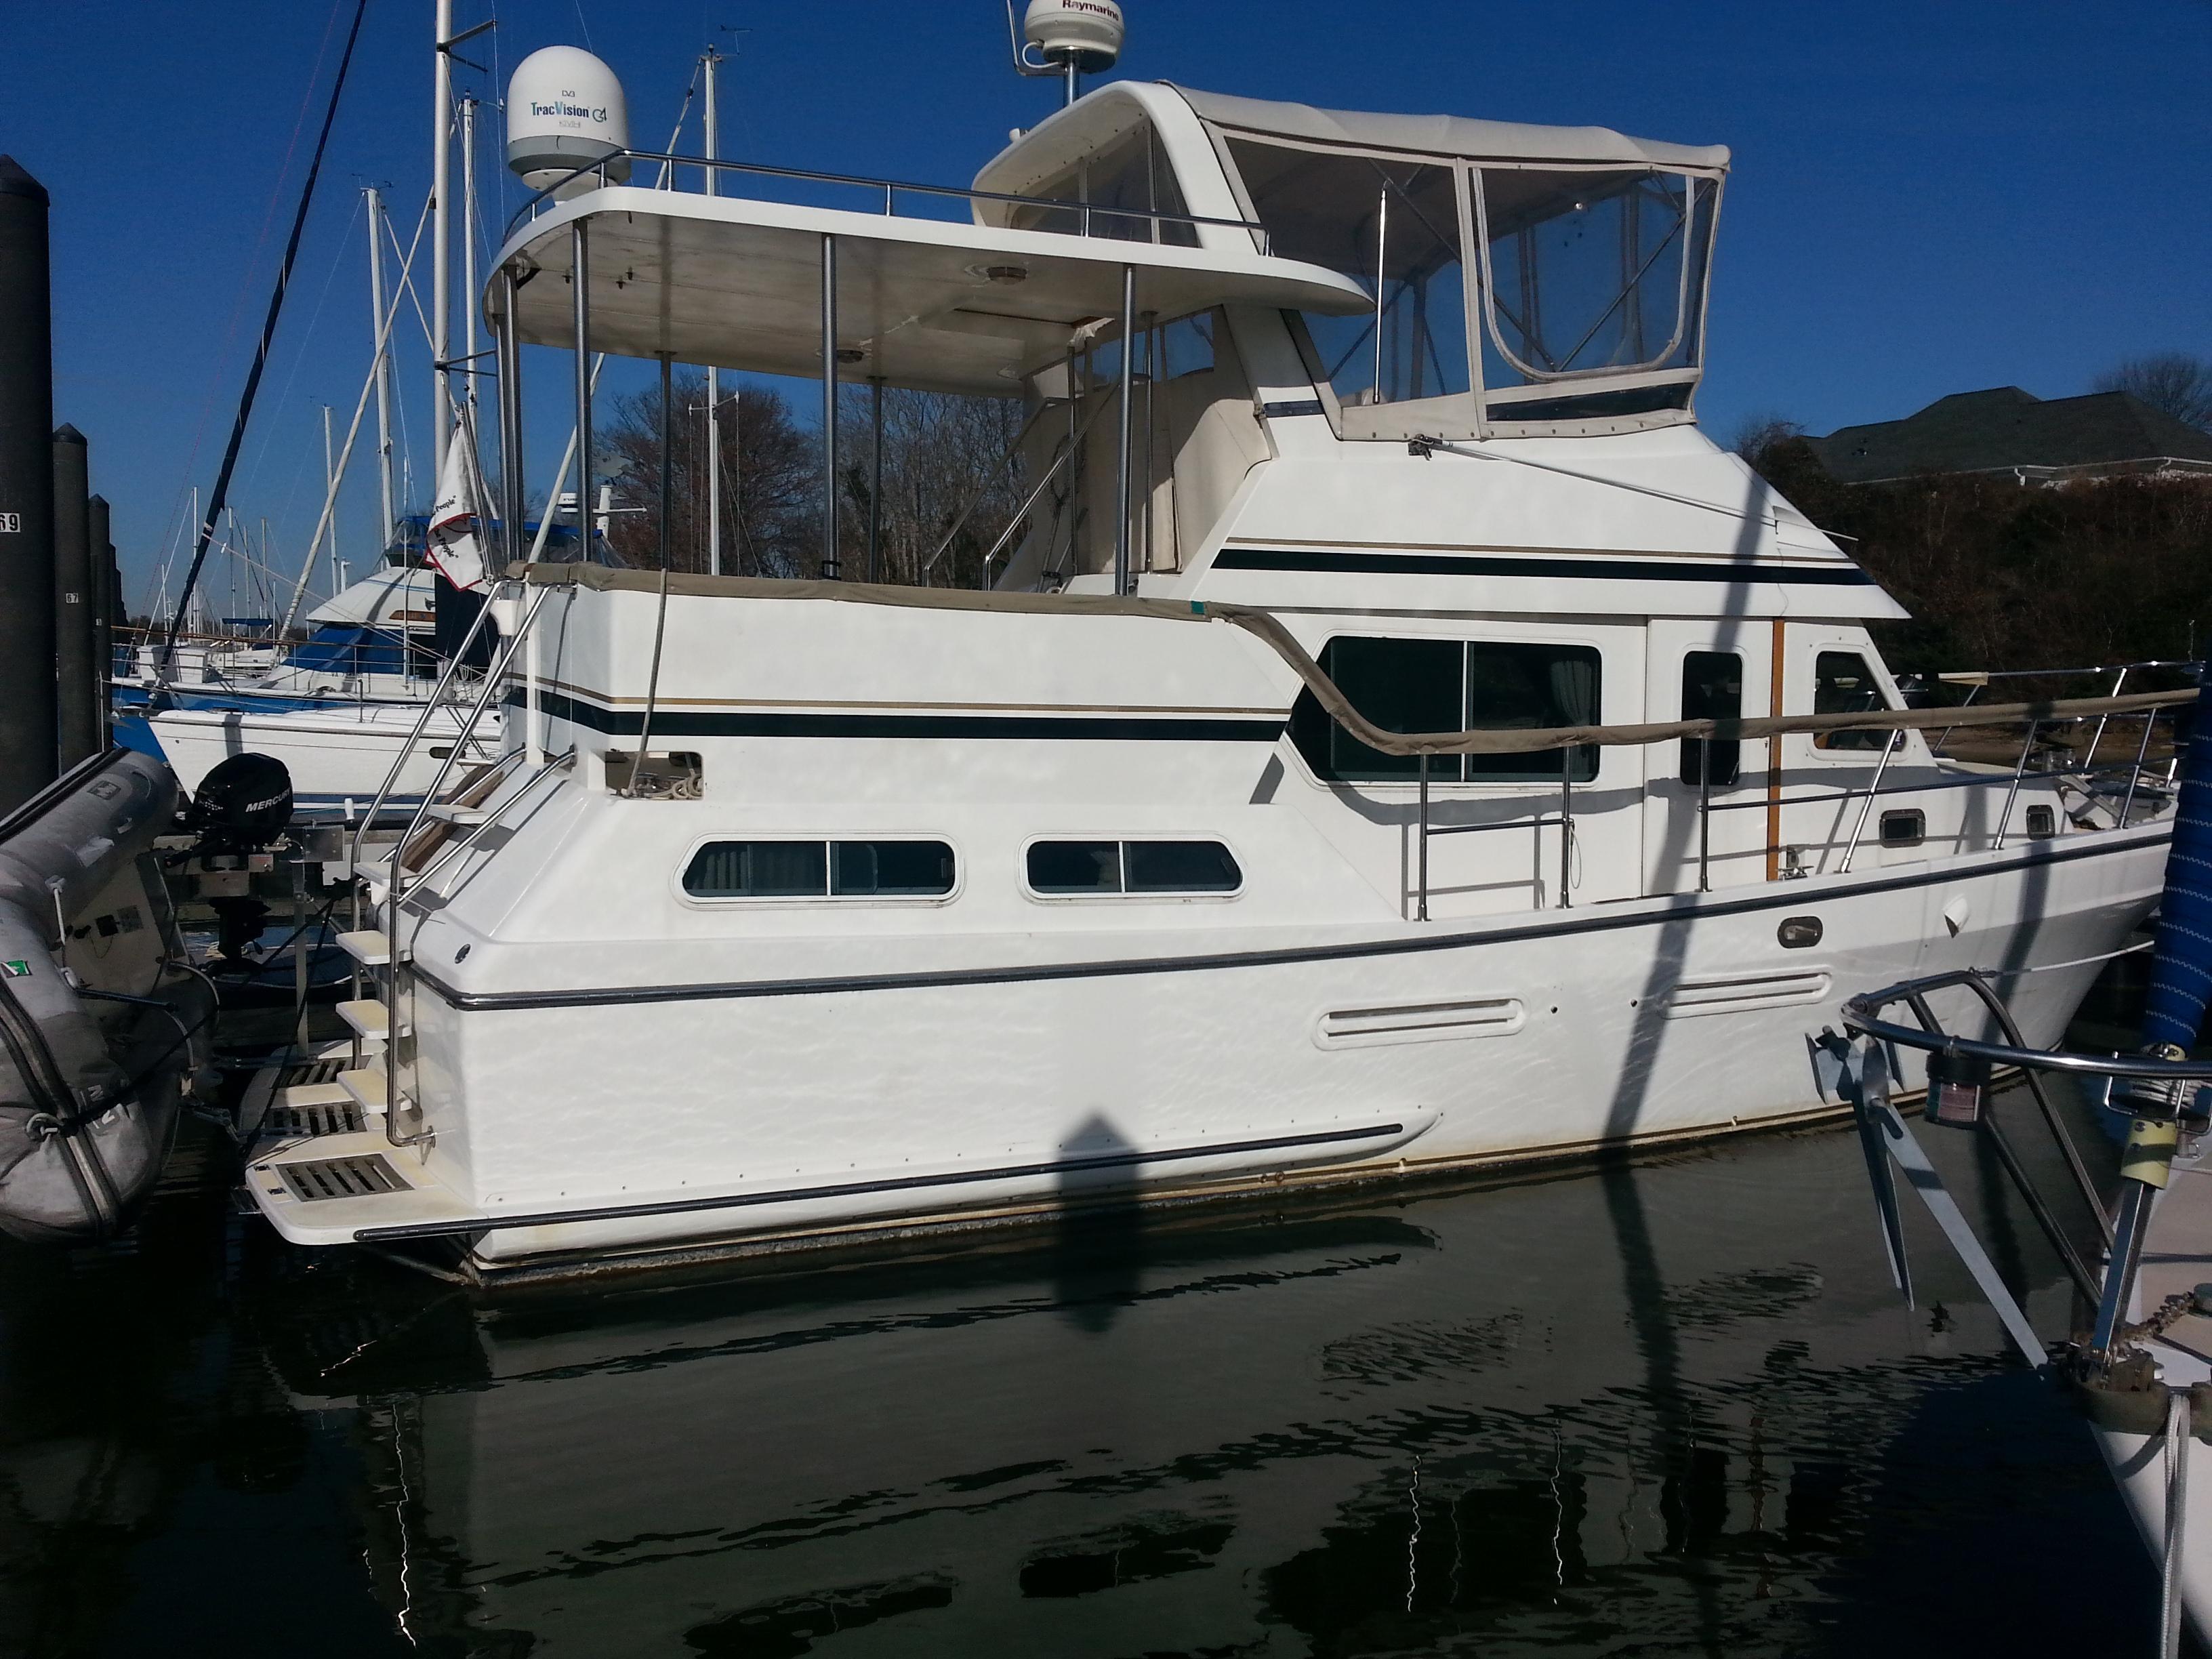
(889, 187)
(1860, 1015)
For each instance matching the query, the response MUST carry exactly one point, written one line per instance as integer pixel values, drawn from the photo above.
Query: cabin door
(1704, 669)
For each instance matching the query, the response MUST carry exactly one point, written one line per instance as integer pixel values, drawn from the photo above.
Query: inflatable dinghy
(102, 1026)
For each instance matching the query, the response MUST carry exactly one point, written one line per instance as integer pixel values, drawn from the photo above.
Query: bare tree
(948, 482)
(770, 480)
(1761, 430)
(2173, 382)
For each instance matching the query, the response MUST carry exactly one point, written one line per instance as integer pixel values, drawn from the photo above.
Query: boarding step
(371, 1019)
(371, 948)
(313, 1108)
(465, 817)
(365, 1086)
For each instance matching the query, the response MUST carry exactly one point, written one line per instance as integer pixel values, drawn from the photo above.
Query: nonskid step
(371, 1019)
(371, 947)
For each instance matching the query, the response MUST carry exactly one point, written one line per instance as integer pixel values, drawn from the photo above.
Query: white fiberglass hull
(817, 1087)
(336, 756)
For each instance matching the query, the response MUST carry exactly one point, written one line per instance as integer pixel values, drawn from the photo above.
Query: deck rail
(1086, 214)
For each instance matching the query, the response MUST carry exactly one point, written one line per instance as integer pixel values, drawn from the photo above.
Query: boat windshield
(1124, 183)
(1520, 293)
(1594, 273)
(1393, 226)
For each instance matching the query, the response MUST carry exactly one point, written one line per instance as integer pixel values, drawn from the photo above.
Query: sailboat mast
(441, 258)
(330, 483)
(712, 61)
(468, 257)
(376, 328)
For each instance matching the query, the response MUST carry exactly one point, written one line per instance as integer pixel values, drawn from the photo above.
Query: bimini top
(1448, 135)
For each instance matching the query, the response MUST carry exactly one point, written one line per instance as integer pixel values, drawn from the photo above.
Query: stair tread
(366, 1085)
(370, 1017)
(369, 947)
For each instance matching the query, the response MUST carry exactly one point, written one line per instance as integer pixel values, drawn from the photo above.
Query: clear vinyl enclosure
(1507, 295)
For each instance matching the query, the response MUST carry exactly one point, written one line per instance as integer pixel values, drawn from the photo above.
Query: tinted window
(1133, 867)
(1905, 828)
(1075, 866)
(1712, 690)
(758, 869)
(1445, 685)
(1843, 684)
(1402, 685)
(891, 868)
(803, 869)
(1180, 866)
(1524, 688)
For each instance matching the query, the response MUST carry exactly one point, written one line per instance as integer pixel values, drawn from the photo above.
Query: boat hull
(776, 1108)
(338, 759)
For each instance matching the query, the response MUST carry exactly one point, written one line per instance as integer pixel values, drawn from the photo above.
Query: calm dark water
(1672, 1408)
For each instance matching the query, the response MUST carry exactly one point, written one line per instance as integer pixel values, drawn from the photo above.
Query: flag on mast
(457, 526)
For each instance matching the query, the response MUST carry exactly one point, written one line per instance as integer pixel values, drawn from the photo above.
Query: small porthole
(1908, 828)
(1799, 932)
(2042, 823)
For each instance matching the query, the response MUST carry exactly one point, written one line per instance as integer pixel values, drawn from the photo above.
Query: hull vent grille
(341, 1177)
(1421, 1022)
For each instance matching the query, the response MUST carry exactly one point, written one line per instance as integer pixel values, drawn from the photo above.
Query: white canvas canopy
(944, 304)
(1447, 135)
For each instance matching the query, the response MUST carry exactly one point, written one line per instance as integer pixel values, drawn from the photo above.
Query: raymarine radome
(565, 110)
(1087, 33)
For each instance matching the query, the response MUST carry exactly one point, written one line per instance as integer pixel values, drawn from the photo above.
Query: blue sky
(1926, 198)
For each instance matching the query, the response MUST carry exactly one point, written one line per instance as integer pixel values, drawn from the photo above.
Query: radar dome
(565, 110)
(1088, 32)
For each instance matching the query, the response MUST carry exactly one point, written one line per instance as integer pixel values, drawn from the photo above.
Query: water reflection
(1468, 1421)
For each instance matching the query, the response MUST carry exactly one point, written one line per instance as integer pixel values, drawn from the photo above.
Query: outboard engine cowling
(101, 1022)
(241, 807)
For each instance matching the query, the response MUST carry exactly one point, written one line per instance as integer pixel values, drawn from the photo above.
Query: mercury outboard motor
(241, 808)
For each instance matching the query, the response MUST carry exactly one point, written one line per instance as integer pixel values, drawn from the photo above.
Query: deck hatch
(341, 1177)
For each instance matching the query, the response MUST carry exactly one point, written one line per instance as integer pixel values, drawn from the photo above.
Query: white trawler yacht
(930, 908)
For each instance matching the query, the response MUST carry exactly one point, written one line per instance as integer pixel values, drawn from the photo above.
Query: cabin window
(1450, 685)
(1906, 828)
(889, 869)
(1180, 867)
(1592, 275)
(1843, 684)
(1124, 183)
(1712, 690)
(2042, 823)
(1186, 346)
(1391, 225)
(1075, 869)
(820, 869)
